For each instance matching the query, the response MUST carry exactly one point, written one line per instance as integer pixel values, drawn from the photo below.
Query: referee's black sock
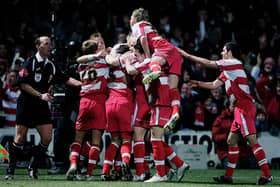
(15, 151)
(39, 152)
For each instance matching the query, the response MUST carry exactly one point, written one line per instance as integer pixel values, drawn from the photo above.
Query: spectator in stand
(205, 114)
(10, 93)
(278, 65)
(261, 122)
(218, 98)
(3, 75)
(3, 50)
(164, 25)
(186, 76)
(189, 101)
(18, 64)
(265, 83)
(4, 53)
(263, 69)
(3, 69)
(274, 110)
(269, 92)
(210, 112)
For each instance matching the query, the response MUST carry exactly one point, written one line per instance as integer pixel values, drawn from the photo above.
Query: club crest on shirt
(23, 72)
(37, 77)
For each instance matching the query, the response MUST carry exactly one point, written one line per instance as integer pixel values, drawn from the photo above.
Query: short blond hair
(141, 14)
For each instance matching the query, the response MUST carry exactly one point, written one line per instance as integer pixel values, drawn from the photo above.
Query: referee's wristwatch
(39, 95)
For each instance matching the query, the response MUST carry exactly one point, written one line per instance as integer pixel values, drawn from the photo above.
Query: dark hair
(123, 48)
(234, 48)
(38, 40)
(95, 35)
(89, 47)
(141, 14)
(139, 47)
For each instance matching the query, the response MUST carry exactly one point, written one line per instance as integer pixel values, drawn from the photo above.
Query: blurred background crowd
(200, 27)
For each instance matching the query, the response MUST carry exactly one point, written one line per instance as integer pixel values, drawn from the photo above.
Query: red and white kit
(161, 107)
(93, 94)
(9, 103)
(119, 105)
(237, 88)
(161, 112)
(142, 109)
(159, 46)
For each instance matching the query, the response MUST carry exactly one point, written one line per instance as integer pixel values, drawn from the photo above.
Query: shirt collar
(40, 59)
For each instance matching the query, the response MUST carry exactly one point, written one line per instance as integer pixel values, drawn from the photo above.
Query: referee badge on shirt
(38, 77)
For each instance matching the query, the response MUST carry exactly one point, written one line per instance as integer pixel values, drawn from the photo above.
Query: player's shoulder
(227, 62)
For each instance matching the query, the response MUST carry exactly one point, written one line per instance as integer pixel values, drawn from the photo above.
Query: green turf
(201, 178)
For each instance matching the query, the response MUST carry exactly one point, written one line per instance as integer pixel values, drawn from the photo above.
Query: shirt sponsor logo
(23, 72)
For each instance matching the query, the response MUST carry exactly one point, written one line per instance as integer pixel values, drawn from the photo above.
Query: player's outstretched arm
(203, 61)
(207, 85)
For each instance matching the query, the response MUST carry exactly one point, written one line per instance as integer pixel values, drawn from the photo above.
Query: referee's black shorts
(32, 111)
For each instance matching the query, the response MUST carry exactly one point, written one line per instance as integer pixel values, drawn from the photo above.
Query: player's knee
(251, 143)
(116, 140)
(231, 142)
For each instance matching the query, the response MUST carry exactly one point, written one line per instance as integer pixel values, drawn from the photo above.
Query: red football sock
(159, 156)
(233, 153)
(93, 157)
(109, 157)
(175, 100)
(261, 159)
(75, 151)
(84, 151)
(172, 156)
(139, 153)
(126, 151)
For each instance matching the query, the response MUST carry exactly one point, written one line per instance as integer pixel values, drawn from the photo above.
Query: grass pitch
(192, 178)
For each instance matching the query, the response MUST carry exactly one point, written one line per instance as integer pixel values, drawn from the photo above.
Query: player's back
(94, 76)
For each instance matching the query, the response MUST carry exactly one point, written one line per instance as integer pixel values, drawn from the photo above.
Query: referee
(35, 78)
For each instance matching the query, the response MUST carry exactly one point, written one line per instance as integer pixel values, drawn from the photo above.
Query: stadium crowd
(206, 27)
